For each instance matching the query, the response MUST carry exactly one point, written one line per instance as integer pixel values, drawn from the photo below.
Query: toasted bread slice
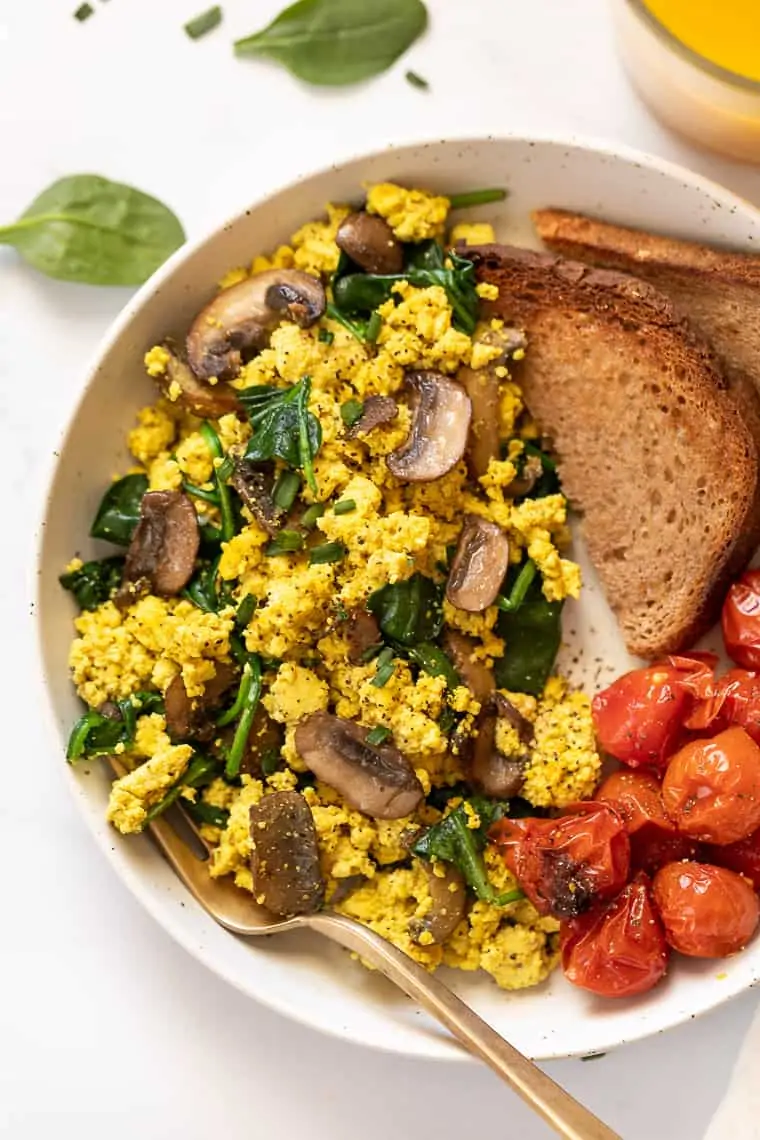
(716, 290)
(652, 449)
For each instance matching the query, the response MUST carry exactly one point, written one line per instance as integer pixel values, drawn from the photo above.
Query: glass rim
(732, 78)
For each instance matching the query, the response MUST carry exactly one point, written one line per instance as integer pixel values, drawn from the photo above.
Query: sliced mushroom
(491, 771)
(362, 634)
(266, 735)
(482, 385)
(186, 717)
(346, 887)
(164, 545)
(449, 896)
(240, 319)
(255, 489)
(287, 878)
(179, 385)
(438, 436)
(375, 779)
(524, 483)
(477, 677)
(370, 242)
(377, 410)
(479, 565)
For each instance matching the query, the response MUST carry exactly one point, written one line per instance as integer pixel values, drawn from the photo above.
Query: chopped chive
(351, 412)
(245, 611)
(250, 686)
(370, 652)
(225, 502)
(374, 324)
(519, 589)
(378, 735)
(417, 81)
(83, 12)
(327, 552)
(325, 336)
(285, 489)
(203, 23)
(344, 506)
(286, 542)
(311, 514)
(385, 668)
(200, 493)
(475, 198)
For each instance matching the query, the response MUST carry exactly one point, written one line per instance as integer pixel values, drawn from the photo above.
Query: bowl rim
(442, 1049)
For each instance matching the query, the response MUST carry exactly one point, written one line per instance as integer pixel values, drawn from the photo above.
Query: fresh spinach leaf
(88, 229)
(98, 732)
(454, 841)
(532, 634)
(94, 582)
(408, 612)
(119, 510)
(283, 426)
(334, 42)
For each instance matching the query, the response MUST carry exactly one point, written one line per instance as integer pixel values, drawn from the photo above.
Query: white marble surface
(107, 1029)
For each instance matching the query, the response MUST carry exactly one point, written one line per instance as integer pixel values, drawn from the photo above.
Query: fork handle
(561, 1111)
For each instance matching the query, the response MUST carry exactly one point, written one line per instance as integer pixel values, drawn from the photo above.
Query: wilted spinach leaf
(86, 228)
(119, 510)
(408, 612)
(98, 732)
(283, 427)
(532, 635)
(94, 582)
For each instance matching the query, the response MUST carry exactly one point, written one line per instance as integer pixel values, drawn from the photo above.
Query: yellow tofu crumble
(379, 532)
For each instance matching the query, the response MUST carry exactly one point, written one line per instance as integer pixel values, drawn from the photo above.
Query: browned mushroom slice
(377, 410)
(254, 487)
(490, 770)
(375, 779)
(240, 319)
(477, 677)
(362, 634)
(479, 565)
(371, 243)
(179, 384)
(482, 385)
(266, 736)
(507, 711)
(449, 895)
(524, 483)
(165, 543)
(287, 878)
(186, 717)
(438, 437)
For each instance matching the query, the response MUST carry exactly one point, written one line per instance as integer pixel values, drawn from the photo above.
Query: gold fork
(237, 912)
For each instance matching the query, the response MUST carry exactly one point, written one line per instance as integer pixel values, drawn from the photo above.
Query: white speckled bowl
(299, 974)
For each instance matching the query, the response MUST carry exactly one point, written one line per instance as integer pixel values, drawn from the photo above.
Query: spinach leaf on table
(454, 841)
(532, 635)
(85, 228)
(335, 42)
(94, 582)
(119, 510)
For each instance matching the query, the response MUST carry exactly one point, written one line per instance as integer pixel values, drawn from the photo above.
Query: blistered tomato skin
(711, 789)
(618, 950)
(568, 864)
(638, 718)
(741, 620)
(742, 857)
(707, 911)
(637, 797)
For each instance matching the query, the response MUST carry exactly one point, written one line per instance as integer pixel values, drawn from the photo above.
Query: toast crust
(610, 359)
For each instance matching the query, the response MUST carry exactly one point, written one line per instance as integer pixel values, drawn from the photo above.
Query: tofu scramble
(334, 617)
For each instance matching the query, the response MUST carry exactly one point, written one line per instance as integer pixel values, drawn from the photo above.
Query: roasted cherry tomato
(733, 698)
(639, 718)
(741, 620)
(742, 857)
(619, 949)
(637, 797)
(564, 865)
(707, 911)
(711, 789)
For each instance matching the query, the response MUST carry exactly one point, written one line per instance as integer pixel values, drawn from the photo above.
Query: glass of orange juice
(697, 64)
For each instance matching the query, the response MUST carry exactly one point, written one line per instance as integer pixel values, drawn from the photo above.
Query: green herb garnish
(335, 42)
(285, 542)
(351, 412)
(385, 668)
(205, 22)
(94, 582)
(378, 735)
(85, 228)
(344, 506)
(325, 336)
(475, 198)
(83, 12)
(415, 80)
(327, 552)
(245, 611)
(286, 490)
(311, 514)
(374, 324)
